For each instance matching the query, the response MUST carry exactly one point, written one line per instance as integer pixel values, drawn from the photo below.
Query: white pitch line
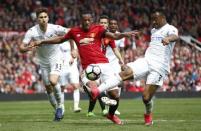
(129, 120)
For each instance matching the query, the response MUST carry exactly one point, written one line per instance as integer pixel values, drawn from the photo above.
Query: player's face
(157, 20)
(43, 18)
(86, 21)
(113, 26)
(104, 22)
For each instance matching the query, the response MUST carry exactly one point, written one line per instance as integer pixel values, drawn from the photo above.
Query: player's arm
(117, 36)
(74, 53)
(170, 38)
(24, 46)
(118, 55)
(54, 40)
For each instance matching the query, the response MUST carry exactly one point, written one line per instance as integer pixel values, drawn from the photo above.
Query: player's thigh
(115, 66)
(153, 82)
(63, 79)
(140, 68)
(55, 72)
(113, 93)
(74, 76)
(45, 71)
(106, 72)
(155, 78)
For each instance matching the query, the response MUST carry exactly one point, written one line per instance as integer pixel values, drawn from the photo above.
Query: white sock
(57, 93)
(52, 100)
(119, 91)
(76, 98)
(110, 83)
(62, 97)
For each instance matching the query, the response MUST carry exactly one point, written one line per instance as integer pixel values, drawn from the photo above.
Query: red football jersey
(107, 42)
(90, 53)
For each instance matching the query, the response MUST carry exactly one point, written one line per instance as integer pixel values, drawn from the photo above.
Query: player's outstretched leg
(111, 115)
(92, 92)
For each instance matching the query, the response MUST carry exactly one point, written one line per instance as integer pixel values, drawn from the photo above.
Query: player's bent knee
(54, 79)
(75, 86)
(49, 89)
(146, 98)
(114, 94)
(126, 74)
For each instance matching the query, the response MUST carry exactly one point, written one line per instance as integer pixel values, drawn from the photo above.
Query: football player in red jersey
(88, 38)
(114, 92)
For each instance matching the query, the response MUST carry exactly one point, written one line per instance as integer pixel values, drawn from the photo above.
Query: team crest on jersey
(92, 35)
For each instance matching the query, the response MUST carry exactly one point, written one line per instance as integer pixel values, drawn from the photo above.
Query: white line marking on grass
(126, 120)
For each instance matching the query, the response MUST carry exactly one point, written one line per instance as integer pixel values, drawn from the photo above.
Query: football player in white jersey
(48, 56)
(155, 65)
(70, 74)
(114, 61)
(120, 44)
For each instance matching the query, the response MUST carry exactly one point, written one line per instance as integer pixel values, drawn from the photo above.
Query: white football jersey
(109, 52)
(66, 53)
(46, 53)
(158, 55)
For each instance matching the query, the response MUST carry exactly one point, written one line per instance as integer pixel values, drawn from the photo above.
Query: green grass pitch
(169, 115)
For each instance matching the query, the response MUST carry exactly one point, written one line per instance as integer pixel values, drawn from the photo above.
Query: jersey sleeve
(60, 30)
(112, 44)
(102, 31)
(27, 36)
(173, 31)
(69, 35)
(121, 43)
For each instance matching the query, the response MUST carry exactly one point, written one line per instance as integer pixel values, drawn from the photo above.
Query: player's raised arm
(118, 36)
(118, 55)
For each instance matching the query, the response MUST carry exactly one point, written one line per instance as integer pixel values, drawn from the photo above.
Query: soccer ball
(93, 72)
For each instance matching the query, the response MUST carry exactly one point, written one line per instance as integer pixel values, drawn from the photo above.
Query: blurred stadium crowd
(20, 74)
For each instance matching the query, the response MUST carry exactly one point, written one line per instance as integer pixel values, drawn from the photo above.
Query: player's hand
(71, 61)
(74, 53)
(131, 33)
(34, 44)
(165, 41)
(121, 63)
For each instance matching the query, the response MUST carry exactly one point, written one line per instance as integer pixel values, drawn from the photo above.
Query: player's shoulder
(168, 26)
(32, 30)
(107, 40)
(96, 26)
(76, 28)
(54, 26)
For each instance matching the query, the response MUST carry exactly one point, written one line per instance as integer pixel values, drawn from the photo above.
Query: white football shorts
(141, 70)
